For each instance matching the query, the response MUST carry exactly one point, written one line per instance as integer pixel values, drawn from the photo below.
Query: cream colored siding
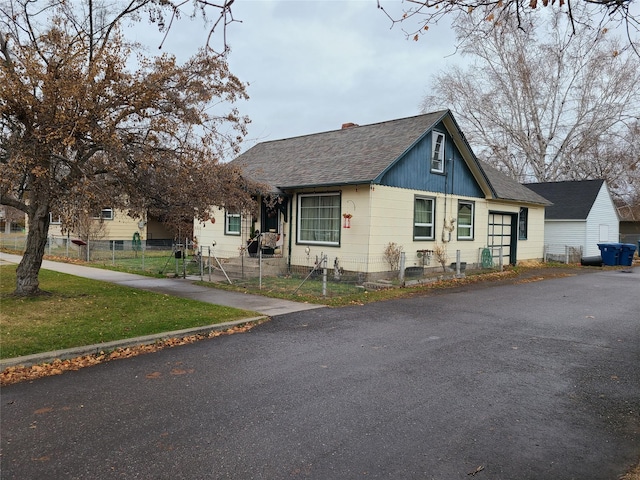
(392, 221)
(122, 227)
(226, 246)
(381, 215)
(392, 218)
(352, 251)
(533, 247)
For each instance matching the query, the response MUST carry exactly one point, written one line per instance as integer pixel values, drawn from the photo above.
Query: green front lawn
(81, 312)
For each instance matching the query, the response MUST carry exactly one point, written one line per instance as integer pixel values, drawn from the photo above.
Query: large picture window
(465, 220)
(232, 223)
(423, 212)
(437, 152)
(319, 218)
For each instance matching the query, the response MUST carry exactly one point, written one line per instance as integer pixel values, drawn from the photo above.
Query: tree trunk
(27, 283)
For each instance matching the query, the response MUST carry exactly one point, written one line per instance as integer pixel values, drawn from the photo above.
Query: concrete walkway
(179, 287)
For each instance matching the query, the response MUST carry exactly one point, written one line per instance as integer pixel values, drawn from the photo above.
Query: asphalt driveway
(533, 381)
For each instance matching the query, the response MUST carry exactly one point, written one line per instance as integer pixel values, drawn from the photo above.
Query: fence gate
(503, 233)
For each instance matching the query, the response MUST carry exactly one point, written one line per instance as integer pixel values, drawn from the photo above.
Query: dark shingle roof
(572, 200)
(352, 155)
(508, 189)
(359, 154)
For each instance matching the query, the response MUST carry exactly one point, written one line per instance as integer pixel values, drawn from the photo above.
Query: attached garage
(502, 237)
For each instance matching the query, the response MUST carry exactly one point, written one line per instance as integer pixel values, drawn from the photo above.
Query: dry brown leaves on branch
(20, 373)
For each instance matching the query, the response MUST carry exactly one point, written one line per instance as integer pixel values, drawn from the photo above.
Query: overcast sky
(313, 65)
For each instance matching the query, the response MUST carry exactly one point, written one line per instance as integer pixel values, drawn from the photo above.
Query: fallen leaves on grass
(20, 373)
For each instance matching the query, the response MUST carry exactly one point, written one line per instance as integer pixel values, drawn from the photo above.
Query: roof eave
(470, 158)
(287, 188)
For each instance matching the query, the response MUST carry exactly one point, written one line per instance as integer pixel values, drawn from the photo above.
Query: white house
(582, 215)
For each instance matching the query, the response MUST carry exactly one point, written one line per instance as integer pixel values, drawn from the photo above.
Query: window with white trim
(232, 223)
(437, 152)
(105, 214)
(319, 218)
(465, 220)
(423, 213)
(54, 219)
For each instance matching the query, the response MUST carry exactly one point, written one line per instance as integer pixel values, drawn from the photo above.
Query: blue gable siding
(413, 170)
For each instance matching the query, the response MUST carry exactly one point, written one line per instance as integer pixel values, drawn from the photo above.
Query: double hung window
(319, 218)
(465, 220)
(423, 213)
(232, 223)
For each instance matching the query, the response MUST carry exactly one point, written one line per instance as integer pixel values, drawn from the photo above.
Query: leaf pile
(20, 373)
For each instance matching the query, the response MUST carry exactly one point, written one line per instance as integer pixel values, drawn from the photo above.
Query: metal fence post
(259, 265)
(324, 276)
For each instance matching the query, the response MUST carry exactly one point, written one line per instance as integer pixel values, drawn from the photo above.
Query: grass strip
(81, 311)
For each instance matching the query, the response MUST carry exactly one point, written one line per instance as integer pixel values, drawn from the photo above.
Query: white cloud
(315, 64)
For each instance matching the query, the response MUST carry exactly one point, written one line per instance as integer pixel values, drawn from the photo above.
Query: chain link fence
(328, 274)
(146, 257)
(562, 253)
(325, 274)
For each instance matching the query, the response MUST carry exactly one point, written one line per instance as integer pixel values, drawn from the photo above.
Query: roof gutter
(288, 188)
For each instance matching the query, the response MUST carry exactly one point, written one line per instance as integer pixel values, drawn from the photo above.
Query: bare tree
(596, 15)
(81, 130)
(541, 105)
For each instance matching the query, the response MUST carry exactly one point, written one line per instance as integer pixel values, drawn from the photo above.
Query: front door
(269, 218)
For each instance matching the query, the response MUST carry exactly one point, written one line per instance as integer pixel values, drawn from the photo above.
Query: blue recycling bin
(626, 254)
(610, 253)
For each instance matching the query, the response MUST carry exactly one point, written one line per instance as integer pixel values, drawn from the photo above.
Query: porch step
(250, 266)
